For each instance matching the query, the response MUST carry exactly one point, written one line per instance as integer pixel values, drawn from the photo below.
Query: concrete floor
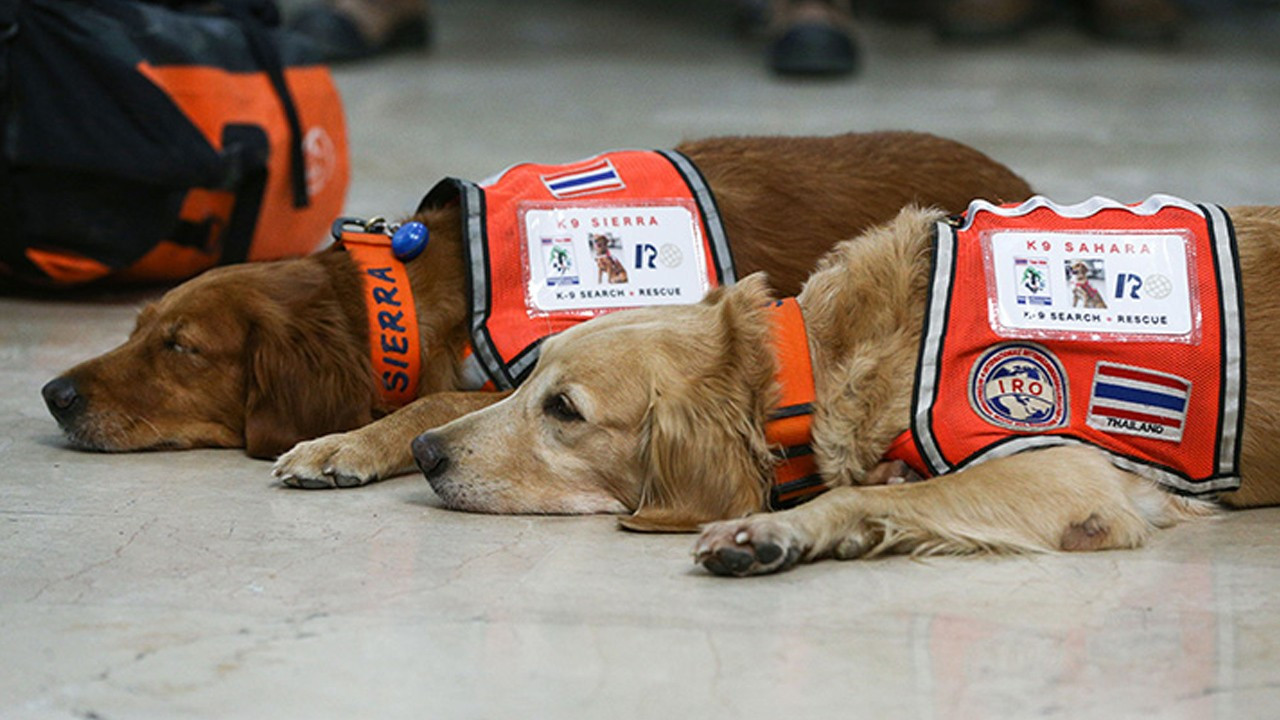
(188, 585)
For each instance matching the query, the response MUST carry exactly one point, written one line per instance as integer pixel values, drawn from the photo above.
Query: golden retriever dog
(263, 356)
(661, 414)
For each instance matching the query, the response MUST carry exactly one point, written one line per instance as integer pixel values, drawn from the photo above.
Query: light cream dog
(659, 413)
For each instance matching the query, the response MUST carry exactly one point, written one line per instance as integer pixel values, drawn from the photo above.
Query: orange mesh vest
(1114, 326)
(549, 246)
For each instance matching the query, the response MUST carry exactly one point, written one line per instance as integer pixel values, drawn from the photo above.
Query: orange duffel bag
(150, 141)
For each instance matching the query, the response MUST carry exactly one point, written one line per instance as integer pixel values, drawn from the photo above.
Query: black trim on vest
(475, 255)
(523, 363)
(921, 429)
(1232, 465)
(1243, 338)
(1139, 466)
(808, 482)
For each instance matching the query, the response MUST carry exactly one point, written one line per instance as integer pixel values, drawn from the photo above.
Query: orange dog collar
(393, 317)
(790, 425)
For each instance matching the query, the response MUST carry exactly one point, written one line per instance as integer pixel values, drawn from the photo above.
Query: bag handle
(254, 18)
(249, 14)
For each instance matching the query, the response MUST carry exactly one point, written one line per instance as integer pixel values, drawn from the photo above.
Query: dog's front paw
(749, 546)
(338, 460)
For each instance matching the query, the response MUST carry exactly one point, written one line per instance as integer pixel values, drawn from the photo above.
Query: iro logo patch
(1019, 386)
(1135, 401)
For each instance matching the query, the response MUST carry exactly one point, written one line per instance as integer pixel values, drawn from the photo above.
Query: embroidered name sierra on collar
(394, 345)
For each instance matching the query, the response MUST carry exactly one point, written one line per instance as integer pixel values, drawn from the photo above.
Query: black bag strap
(248, 140)
(254, 18)
(246, 12)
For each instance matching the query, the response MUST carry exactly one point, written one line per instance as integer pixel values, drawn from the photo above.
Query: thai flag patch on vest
(599, 177)
(1137, 401)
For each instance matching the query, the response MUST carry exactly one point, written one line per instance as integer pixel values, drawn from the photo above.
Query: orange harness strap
(393, 317)
(790, 425)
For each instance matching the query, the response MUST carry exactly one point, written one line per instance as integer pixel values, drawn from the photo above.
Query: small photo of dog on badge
(607, 265)
(1086, 276)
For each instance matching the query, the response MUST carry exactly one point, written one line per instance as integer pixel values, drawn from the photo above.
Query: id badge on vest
(592, 257)
(1117, 286)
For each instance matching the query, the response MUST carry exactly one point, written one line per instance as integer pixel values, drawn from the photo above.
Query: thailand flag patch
(598, 177)
(1136, 401)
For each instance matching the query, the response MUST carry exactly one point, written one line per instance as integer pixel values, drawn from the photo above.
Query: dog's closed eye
(176, 340)
(175, 345)
(560, 407)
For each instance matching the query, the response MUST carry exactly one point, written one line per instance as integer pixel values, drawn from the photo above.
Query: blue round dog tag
(409, 241)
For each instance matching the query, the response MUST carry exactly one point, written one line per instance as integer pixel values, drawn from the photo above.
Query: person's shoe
(814, 38)
(346, 30)
(980, 21)
(1135, 21)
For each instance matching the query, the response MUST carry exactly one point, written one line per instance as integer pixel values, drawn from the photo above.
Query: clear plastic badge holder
(586, 258)
(1127, 286)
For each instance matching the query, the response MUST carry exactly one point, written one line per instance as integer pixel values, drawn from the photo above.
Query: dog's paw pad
(736, 550)
(730, 561)
(307, 483)
(344, 480)
(768, 553)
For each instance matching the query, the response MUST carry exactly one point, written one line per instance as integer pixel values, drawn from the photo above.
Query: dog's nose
(63, 399)
(429, 453)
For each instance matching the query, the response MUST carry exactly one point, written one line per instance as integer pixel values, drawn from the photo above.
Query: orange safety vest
(1109, 325)
(549, 246)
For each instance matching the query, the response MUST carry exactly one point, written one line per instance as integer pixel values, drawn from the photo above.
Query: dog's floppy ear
(703, 446)
(305, 378)
(701, 464)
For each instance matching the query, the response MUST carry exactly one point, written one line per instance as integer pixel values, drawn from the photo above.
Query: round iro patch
(1020, 386)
